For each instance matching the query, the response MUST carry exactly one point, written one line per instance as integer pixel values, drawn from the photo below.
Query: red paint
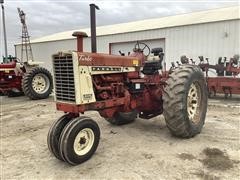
(99, 59)
(224, 85)
(9, 80)
(80, 36)
(8, 65)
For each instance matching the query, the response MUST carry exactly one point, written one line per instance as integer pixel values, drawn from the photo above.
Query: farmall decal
(106, 68)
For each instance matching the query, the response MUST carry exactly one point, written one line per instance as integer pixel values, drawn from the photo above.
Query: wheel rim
(193, 102)
(40, 83)
(83, 141)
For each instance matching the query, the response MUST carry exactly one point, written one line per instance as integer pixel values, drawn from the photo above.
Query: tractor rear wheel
(54, 134)
(121, 118)
(185, 101)
(79, 140)
(37, 83)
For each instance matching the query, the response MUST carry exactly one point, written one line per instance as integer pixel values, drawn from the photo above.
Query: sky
(45, 17)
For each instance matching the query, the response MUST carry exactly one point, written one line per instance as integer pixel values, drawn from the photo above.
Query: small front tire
(79, 140)
(54, 134)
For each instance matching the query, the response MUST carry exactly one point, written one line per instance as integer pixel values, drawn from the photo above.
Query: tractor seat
(8, 65)
(152, 67)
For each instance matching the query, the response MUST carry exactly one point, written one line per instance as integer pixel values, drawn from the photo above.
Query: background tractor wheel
(79, 140)
(121, 118)
(37, 83)
(185, 101)
(54, 134)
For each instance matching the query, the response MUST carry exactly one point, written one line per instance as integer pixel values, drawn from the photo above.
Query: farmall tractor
(19, 77)
(120, 88)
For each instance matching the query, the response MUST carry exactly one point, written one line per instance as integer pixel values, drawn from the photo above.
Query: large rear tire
(37, 83)
(121, 118)
(185, 101)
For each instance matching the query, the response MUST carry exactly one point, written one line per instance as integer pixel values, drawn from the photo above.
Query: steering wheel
(140, 46)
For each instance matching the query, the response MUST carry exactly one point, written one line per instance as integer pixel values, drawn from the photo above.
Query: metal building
(211, 33)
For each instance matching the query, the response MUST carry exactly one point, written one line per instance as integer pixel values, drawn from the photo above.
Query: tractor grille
(64, 78)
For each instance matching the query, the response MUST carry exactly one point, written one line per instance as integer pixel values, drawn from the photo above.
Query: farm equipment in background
(18, 77)
(121, 88)
(226, 82)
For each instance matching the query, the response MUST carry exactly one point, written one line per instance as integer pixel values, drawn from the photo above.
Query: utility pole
(4, 31)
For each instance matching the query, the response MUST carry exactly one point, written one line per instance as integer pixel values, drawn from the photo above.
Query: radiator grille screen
(64, 78)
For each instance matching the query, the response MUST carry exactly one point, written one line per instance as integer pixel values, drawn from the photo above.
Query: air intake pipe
(80, 35)
(93, 8)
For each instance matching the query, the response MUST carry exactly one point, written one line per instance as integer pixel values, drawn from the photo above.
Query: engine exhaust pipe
(93, 8)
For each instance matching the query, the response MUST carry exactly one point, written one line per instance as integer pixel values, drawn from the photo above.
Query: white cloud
(50, 16)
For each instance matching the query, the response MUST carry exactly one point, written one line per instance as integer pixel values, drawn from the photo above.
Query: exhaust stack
(93, 8)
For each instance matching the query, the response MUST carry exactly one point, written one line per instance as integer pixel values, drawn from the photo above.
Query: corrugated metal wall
(209, 40)
(43, 51)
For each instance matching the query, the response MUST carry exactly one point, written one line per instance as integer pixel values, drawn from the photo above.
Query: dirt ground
(144, 149)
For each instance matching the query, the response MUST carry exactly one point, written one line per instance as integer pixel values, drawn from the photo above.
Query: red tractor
(18, 77)
(120, 88)
(9, 80)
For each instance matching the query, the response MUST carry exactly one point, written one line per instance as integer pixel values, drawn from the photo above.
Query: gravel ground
(144, 149)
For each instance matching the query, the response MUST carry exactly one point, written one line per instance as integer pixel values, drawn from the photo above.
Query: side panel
(83, 83)
(84, 92)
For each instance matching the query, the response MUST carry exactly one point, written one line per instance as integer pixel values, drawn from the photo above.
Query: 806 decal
(87, 96)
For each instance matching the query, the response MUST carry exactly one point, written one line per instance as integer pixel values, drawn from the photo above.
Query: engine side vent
(64, 78)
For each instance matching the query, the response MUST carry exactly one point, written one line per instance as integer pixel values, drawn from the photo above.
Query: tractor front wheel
(54, 134)
(79, 140)
(185, 101)
(37, 83)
